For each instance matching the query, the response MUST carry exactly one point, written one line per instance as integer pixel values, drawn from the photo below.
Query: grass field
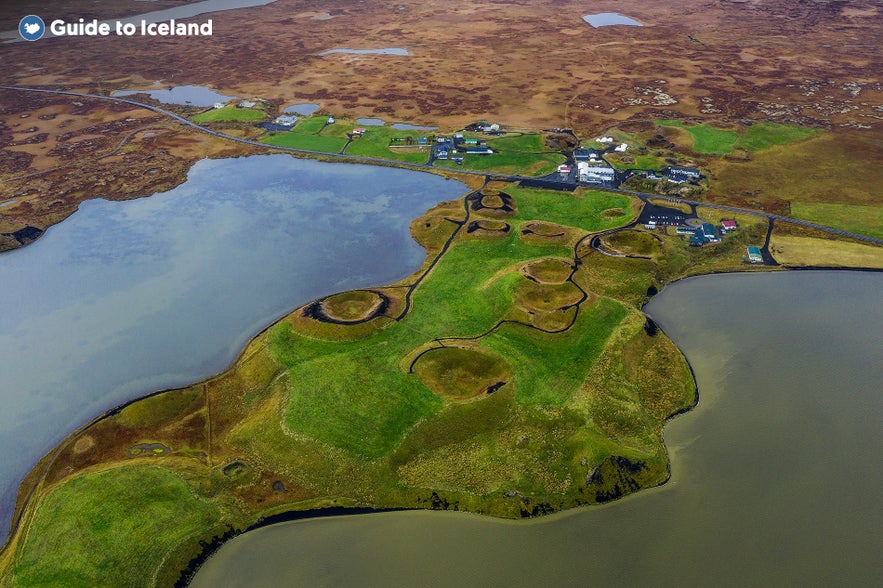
(865, 220)
(809, 171)
(760, 136)
(376, 140)
(309, 125)
(806, 251)
(528, 143)
(230, 114)
(707, 139)
(309, 142)
(509, 162)
(110, 528)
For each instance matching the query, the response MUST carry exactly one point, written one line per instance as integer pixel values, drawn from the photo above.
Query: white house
(621, 148)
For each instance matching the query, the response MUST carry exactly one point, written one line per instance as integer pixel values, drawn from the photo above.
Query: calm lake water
(370, 122)
(776, 475)
(125, 298)
(607, 19)
(194, 95)
(304, 108)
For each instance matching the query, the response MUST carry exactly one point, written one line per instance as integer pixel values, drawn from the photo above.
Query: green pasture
(707, 139)
(376, 143)
(760, 136)
(301, 141)
(230, 114)
(529, 143)
(110, 528)
(507, 162)
(864, 220)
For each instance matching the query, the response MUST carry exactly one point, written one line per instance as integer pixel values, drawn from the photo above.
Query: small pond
(410, 127)
(384, 51)
(190, 95)
(303, 109)
(607, 19)
(370, 122)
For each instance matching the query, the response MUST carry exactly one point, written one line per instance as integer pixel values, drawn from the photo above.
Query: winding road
(426, 166)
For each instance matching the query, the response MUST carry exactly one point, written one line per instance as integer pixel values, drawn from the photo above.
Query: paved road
(426, 166)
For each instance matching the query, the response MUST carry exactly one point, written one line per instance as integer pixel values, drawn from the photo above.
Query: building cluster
(446, 147)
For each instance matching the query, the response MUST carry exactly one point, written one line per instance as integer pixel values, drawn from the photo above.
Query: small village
(586, 163)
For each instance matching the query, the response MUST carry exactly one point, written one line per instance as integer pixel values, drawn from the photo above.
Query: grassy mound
(460, 373)
(356, 305)
(549, 271)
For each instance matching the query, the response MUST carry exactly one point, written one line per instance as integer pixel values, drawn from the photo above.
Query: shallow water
(607, 19)
(303, 109)
(410, 127)
(776, 476)
(193, 95)
(370, 122)
(384, 51)
(125, 298)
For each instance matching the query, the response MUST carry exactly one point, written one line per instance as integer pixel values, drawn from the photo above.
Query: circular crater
(535, 297)
(488, 228)
(493, 203)
(460, 373)
(348, 308)
(548, 271)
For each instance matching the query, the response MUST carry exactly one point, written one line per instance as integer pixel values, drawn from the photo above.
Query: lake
(304, 108)
(193, 95)
(125, 298)
(776, 476)
(608, 19)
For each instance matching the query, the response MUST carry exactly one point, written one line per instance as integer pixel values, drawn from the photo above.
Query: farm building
(681, 174)
(359, 131)
(441, 153)
(247, 104)
(754, 255)
(710, 233)
(330, 120)
(286, 120)
(728, 225)
(479, 151)
(595, 173)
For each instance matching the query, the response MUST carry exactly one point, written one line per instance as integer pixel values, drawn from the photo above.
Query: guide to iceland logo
(31, 28)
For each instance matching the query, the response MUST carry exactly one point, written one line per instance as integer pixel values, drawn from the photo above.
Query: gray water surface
(125, 298)
(410, 127)
(304, 108)
(370, 122)
(607, 19)
(193, 95)
(776, 475)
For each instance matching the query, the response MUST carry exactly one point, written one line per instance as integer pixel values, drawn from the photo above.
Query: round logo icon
(31, 28)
